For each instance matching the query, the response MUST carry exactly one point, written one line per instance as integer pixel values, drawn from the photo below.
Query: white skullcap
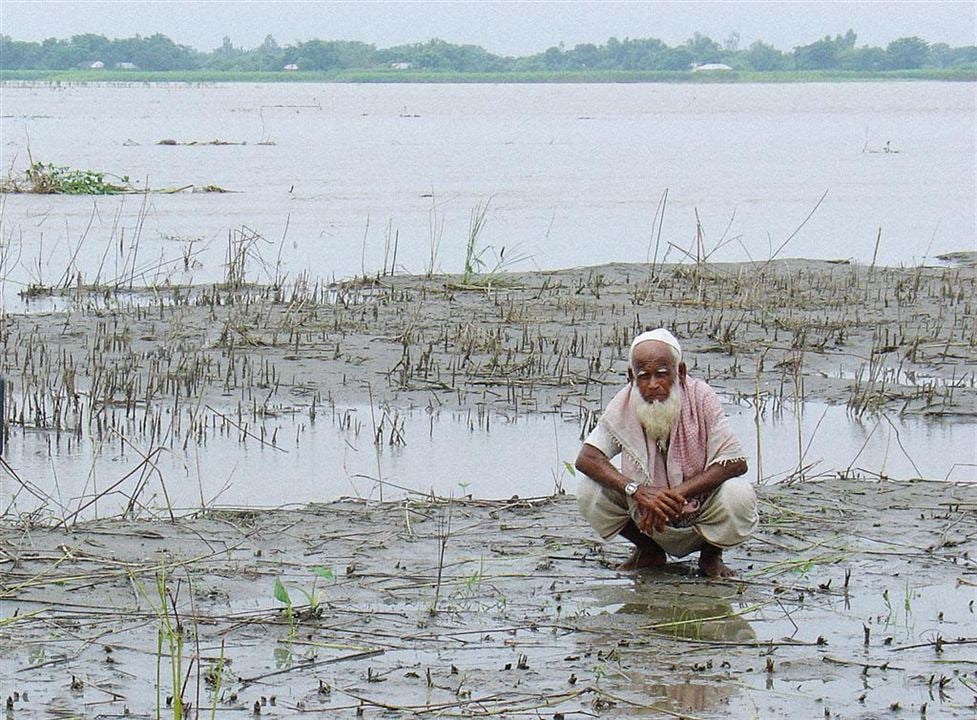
(659, 334)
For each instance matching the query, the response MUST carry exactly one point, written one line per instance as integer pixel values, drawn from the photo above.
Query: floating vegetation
(42, 179)
(49, 179)
(216, 141)
(194, 189)
(962, 257)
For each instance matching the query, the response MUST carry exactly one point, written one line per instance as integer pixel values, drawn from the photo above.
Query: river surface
(571, 175)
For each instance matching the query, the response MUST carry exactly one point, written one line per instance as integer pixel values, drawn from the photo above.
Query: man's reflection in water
(688, 696)
(654, 604)
(697, 617)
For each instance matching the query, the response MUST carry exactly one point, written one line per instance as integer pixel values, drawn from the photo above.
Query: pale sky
(509, 28)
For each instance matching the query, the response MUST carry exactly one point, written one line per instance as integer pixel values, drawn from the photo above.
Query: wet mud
(854, 599)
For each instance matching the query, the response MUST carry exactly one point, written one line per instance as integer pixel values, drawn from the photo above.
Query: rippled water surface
(356, 178)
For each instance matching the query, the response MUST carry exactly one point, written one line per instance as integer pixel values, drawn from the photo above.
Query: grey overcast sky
(514, 27)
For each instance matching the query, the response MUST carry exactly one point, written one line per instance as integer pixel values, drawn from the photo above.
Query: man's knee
(739, 498)
(605, 510)
(730, 516)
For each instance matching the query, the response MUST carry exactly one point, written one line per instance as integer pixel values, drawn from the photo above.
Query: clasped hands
(657, 507)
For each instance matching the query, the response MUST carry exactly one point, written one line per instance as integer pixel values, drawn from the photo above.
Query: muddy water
(854, 599)
(892, 613)
(573, 174)
(489, 455)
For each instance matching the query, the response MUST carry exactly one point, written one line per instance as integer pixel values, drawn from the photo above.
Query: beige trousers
(728, 517)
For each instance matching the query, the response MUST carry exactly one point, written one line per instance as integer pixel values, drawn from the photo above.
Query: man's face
(654, 370)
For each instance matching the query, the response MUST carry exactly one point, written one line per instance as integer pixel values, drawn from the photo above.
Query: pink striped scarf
(701, 437)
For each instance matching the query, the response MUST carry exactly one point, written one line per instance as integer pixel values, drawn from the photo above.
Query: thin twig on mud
(310, 664)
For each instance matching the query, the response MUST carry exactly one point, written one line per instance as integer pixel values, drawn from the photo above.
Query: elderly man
(678, 489)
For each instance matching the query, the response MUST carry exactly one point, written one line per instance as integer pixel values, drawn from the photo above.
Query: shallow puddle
(794, 651)
(449, 453)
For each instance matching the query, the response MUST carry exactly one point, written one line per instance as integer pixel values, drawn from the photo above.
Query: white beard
(658, 418)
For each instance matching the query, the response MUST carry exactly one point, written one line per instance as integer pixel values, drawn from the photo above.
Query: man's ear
(630, 374)
(682, 372)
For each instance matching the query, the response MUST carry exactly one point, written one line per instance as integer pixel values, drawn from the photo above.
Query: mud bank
(854, 600)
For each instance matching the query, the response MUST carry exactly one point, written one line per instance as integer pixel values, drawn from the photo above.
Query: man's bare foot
(646, 553)
(644, 557)
(711, 563)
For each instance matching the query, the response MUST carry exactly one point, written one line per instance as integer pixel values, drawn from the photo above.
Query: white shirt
(603, 441)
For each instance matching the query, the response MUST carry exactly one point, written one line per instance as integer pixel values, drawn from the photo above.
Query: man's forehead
(653, 352)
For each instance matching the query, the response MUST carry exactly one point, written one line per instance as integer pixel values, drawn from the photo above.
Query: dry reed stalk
(147, 459)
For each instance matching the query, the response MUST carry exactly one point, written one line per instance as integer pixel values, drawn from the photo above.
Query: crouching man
(679, 489)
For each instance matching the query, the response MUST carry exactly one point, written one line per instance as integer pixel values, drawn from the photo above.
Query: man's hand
(656, 507)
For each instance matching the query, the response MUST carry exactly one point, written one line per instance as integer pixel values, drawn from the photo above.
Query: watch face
(631, 488)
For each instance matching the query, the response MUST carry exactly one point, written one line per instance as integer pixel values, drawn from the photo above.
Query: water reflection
(693, 610)
(654, 603)
(688, 696)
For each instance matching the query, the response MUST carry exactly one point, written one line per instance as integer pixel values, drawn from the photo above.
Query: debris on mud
(853, 597)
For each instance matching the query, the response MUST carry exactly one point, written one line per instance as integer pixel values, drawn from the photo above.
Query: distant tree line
(158, 52)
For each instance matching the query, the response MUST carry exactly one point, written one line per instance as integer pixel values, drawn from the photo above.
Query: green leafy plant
(49, 179)
(171, 633)
(214, 678)
(281, 595)
(475, 262)
(436, 233)
(888, 606)
(473, 582)
(170, 636)
(568, 469)
(313, 598)
(599, 672)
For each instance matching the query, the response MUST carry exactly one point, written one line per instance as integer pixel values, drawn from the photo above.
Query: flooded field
(255, 467)
(172, 539)
(196, 396)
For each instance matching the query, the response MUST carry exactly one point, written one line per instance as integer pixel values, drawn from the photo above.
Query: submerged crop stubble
(149, 363)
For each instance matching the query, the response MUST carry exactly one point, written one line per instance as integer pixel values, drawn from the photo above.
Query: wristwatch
(631, 488)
